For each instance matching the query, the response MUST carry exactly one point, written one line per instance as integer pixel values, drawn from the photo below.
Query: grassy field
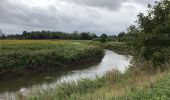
(18, 55)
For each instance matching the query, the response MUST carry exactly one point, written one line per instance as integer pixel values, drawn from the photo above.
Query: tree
(54, 35)
(121, 34)
(84, 36)
(154, 33)
(103, 37)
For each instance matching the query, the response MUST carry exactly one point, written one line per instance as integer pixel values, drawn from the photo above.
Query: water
(24, 84)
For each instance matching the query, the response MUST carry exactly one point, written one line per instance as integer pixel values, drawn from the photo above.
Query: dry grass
(120, 90)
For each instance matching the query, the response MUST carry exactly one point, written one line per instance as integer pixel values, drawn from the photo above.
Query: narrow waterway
(111, 61)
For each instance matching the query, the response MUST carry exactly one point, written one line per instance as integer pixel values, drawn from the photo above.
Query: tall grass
(18, 55)
(160, 90)
(112, 86)
(67, 91)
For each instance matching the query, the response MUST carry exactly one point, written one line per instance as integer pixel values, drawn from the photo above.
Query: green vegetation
(152, 38)
(103, 37)
(66, 90)
(19, 55)
(160, 90)
(119, 47)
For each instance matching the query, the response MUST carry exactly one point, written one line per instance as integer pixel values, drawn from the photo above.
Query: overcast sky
(99, 16)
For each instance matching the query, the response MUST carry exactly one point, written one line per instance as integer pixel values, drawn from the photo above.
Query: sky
(98, 16)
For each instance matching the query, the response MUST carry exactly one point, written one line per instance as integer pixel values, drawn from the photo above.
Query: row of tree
(52, 35)
(63, 35)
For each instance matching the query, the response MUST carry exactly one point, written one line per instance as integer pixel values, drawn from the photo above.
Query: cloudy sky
(99, 16)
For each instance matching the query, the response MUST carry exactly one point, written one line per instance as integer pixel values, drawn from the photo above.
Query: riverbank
(119, 47)
(18, 57)
(134, 84)
(113, 86)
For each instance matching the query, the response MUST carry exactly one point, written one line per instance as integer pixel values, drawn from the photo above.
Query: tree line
(51, 35)
(62, 35)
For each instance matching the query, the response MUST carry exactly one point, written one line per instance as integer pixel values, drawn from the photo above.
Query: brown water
(109, 62)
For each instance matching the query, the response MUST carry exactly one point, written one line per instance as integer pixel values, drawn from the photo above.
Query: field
(19, 55)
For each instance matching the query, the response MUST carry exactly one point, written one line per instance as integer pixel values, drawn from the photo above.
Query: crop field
(16, 55)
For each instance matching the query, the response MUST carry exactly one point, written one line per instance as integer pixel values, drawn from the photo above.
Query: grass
(119, 47)
(64, 91)
(160, 90)
(127, 88)
(18, 55)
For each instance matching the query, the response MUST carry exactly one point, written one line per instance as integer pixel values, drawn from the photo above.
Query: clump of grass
(81, 87)
(65, 90)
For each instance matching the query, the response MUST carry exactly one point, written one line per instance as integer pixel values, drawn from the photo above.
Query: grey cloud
(110, 4)
(69, 15)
